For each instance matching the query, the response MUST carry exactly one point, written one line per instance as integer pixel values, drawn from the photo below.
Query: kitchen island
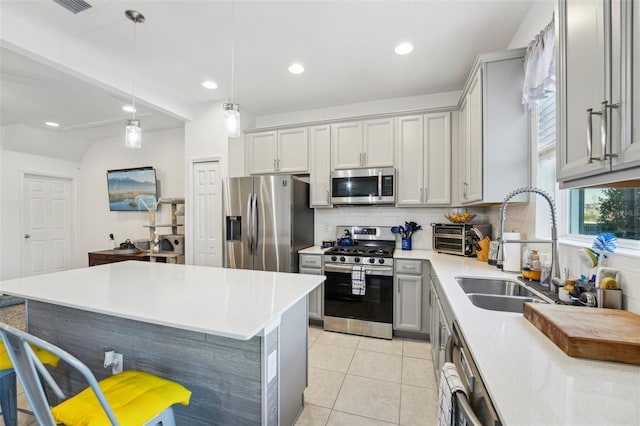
(222, 333)
(529, 379)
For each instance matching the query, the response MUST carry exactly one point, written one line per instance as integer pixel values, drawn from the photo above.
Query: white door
(207, 214)
(320, 166)
(410, 163)
(263, 152)
(346, 145)
(293, 151)
(437, 158)
(47, 242)
(378, 143)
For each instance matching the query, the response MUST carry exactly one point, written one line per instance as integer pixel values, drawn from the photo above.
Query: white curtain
(540, 66)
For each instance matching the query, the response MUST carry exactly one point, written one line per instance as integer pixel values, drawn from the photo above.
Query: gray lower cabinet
(439, 332)
(312, 264)
(411, 307)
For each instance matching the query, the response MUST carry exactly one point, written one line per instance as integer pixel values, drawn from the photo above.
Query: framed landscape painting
(132, 189)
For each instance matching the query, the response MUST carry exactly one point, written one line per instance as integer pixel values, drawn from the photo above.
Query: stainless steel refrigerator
(267, 219)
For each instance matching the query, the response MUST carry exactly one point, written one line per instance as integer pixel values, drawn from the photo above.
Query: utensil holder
(406, 243)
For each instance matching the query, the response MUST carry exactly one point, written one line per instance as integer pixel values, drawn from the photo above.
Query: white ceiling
(346, 48)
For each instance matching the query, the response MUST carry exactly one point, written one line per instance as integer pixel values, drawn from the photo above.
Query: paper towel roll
(511, 257)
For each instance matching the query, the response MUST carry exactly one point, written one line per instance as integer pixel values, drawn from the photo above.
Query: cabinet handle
(464, 189)
(604, 130)
(27, 236)
(275, 169)
(361, 162)
(278, 164)
(425, 198)
(328, 197)
(364, 158)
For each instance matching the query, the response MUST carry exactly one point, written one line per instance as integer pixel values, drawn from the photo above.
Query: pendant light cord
(233, 27)
(133, 71)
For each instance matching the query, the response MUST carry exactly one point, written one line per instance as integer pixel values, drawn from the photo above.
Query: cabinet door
(437, 158)
(346, 145)
(263, 151)
(315, 299)
(444, 333)
(408, 310)
(293, 151)
(627, 145)
(378, 143)
(475, 140)
(581, 86)
(409, 154)
(434, 328)
(464, 150)
(320, 166)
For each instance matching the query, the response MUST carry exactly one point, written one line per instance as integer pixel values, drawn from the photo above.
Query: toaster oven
(457, 238)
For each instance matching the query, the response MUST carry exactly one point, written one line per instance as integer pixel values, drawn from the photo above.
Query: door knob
(27, 236)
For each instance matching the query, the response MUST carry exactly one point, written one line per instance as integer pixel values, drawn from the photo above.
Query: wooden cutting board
(605, 334)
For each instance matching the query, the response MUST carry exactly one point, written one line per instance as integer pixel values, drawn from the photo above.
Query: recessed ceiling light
(209, 84)
(403, 48)
(52, 124)
(296, 68)
(128, 108)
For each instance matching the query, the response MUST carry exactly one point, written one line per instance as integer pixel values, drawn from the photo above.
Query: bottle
(534, 263)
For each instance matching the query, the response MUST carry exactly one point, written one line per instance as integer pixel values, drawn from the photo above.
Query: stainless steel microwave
(364, 186)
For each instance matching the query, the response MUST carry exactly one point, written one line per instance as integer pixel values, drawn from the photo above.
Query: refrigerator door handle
(249, 231)
(254, 225)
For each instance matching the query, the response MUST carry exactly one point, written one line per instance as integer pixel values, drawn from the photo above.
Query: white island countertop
(530, 380)
(231, 303)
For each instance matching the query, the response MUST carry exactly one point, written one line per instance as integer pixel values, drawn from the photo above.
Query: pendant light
(232, 110)
(133, 132)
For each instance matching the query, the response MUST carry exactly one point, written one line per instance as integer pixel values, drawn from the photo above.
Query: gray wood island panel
(223, 374)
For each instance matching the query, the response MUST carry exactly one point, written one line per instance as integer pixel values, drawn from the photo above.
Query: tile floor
(357, 380)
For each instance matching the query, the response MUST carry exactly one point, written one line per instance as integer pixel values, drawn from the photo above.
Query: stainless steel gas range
(371, 252)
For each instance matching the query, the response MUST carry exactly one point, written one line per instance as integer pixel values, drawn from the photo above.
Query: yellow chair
(8, 392)
(130, 398)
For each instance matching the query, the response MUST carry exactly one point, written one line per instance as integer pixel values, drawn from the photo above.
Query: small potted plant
(406, 232)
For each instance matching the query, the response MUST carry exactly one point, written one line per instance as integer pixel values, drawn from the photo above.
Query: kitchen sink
(501, 303)
(499, 294)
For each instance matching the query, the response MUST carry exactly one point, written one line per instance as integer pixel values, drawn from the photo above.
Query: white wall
(538, 16)
(383, 106)
(12, 167)
(163, 150)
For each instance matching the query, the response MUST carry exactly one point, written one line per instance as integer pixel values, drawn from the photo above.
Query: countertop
(530, 380)
(231, 303)
(313, 250)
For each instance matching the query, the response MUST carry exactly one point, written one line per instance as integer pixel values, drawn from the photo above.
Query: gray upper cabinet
(281, 151)
(359, 144)
(599, 117)
(423, 159)
(494, 130)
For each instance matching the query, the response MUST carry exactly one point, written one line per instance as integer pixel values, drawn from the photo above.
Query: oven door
(375, 305)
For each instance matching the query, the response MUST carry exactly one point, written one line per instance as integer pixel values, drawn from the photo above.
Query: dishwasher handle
(464, 411)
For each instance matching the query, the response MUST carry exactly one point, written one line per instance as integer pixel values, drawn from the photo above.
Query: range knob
(372, 260)
(342, 259)
(334, 258)
(357, 259)
(380, 261)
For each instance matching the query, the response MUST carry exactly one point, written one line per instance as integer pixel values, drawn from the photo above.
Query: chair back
(27, 366)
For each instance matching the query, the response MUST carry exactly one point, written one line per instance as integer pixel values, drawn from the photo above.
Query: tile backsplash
(326, 220)
(627, 263)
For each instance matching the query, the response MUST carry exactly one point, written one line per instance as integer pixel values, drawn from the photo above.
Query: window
(545, 129)
(615, 210)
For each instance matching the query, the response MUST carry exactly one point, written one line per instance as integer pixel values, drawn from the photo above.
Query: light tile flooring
(357, 380)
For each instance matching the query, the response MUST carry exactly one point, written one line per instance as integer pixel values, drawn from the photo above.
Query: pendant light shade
(231, 109)
(133, 134)
(231, 120)
(133, 131)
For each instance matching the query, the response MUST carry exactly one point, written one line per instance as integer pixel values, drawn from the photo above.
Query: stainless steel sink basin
(501, 303)
(494, 286)
(498, 294)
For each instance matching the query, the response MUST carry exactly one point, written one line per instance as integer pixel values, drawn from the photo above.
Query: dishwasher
(476, 409)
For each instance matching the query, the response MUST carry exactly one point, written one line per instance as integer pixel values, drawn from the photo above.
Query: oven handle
(369, 270)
